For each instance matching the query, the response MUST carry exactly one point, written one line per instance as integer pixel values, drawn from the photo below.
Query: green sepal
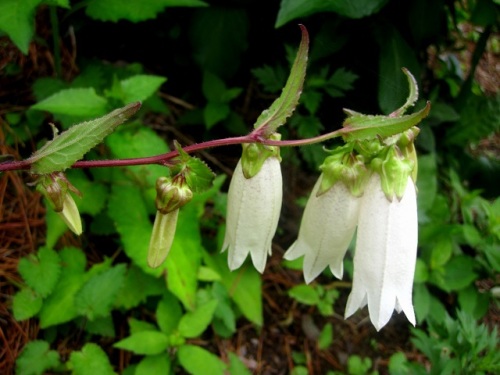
(70, 146)
(255, 154)
(199, 177)
(346, 167)
(394, 169)
(282, 108)
(360, 127)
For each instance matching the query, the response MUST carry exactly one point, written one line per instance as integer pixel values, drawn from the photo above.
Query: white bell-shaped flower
(253, 211)
(385, 255)
(327, 228)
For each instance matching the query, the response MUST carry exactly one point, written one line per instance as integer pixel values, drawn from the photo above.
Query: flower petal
(253, 211)
(386, 248)
(327, 227)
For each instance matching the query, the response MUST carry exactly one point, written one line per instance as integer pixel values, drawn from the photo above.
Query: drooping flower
(253, 211)
(385, 255)
(327, 228)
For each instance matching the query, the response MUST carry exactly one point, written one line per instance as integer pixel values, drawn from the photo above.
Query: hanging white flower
(327, 228)
(385, 255)
(253, 211)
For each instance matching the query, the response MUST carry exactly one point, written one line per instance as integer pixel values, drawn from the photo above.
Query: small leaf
(70, 146)
(91, 360)
(140, 87)
(41, 271)
(198, 361)
(236, 366)
(96, 297)
(36, 358)
(154, 364)
(26, 304)
(168, 313)
(283, 107)
(359, 127)
(194, 323)
(305, 294)
(325, 338)
(83, 102)
(144, 343)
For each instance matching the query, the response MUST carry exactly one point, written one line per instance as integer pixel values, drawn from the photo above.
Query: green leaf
(154, 364)
(271, 78)
(422, 302)
(236, 366)
(94, 193)
(305, 294)
(90, 360)
(137, 287)
(426, 183)
(26, 304)
(457, 274)
(283, 107)
(41, 270)
(198, 361)
(83, 102)
(168, 313)
(17, 19)
(134, 10)
(359, 127)
(140, 326)
(36, 358)
(293, 9)
(325, 338)
(140, 87)
(96, 297)
(198, 175)
(101, 326)
(215, 112)
(70, 146)
(144, 343)
(194, 323)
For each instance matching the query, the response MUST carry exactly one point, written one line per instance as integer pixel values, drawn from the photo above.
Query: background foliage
(204, 70)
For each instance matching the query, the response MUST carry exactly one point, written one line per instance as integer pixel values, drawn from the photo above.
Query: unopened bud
(162, 237)
(71, 215)
(255, 154)
(171, 194)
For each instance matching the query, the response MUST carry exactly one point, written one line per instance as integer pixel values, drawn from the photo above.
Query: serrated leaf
(36, 358)
(272, 78)
(134, 10)
(26, 304)
(144, 343)
(70, 146)
(96, 297)
(194, 323)
(154, 364)
(198, 175)
(412, 95)
(83, 102)
(41, 271)
(343, 79)
(140, 87)
(59, 307)
(358, 126)
(198, 361)
(91, 360)
(17, 19)
(283, 107)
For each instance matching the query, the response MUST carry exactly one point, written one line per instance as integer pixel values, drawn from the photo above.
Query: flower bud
(171, 194)
(162, 237)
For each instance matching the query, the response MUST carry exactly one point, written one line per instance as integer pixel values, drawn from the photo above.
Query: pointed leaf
(70, 146)
(140, 87)
(17, 19)
(90, 360)
(154, 364)
(144, 343)
(283, 107)
(198, 361)
(194, 323)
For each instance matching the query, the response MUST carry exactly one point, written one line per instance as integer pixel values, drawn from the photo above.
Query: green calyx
(255, 154)
(394, 169)
(172, 194)
(347, 167)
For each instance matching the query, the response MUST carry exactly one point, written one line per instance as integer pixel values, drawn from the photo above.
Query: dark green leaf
(137, 287)
(272, 78)
(17, 19)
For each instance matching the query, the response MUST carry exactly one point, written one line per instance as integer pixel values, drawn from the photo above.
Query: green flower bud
(171, 194)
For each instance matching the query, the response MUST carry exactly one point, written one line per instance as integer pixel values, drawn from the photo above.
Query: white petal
(386, 248)
(253, 211)
(327, 227)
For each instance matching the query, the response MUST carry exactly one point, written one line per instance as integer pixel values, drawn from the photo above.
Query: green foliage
(315, 295)
(36, 359)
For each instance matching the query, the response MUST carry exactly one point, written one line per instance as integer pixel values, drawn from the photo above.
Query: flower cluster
(366, 186)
